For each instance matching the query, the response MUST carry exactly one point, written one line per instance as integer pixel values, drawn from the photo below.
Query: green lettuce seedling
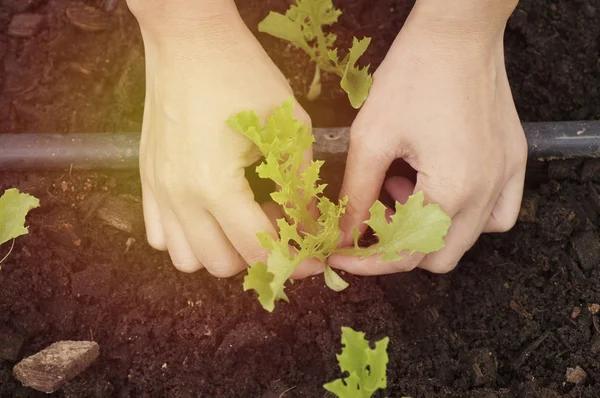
(302, 25)
(14, 206)
(282, 141)
(366, 366)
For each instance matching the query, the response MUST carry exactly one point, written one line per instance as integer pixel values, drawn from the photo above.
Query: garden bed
(508, 322)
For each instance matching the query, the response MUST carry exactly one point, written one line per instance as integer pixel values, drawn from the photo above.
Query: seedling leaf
(366, 367)
(14, 206)
(414, 227)
(283, 141)
(302, 25)
(357, 81)
(334, 281)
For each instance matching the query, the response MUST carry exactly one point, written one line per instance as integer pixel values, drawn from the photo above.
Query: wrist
(199, 23)
(474, 25)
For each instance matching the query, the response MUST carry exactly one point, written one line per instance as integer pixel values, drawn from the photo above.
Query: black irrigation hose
(547, 140)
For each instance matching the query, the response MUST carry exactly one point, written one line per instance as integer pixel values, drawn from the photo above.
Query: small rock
(10, 346)
(51, 368)
(483, 367)
(587, 247)
(87, 18)
(529, 207)
(92, 282)
(26, 25)
(576, 375)
(591, 170)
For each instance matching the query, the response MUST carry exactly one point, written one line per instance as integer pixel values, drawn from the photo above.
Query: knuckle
(187, 267)
(220, 269)
(156, 242)
(443, 267)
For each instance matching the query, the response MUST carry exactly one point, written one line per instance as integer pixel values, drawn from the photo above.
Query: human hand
(440, 101)
(197, 202)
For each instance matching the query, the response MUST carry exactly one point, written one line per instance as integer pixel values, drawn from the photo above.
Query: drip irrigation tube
(32, 151)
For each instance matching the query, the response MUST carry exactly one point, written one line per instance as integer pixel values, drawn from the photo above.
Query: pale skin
(440, 100)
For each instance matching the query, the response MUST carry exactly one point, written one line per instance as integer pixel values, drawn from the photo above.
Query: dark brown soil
(502, 325)
(64, 79)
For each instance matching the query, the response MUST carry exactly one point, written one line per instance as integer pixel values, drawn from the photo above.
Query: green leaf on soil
(366, 367)
(334, 281)
(14, 206)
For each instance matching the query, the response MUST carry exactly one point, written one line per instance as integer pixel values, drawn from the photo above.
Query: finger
(155, 234)
(399, 188)
(210, 244)
(506, 209)
(241, 219)
(365, 171)
(373, 265)
(180, 250)
(462, 235)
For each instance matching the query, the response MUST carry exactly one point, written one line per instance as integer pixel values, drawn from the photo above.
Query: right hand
(198, 204)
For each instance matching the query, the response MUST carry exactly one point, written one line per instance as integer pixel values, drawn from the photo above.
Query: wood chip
(87, 18)
(51, 368)
(26, 25)
(519, 309)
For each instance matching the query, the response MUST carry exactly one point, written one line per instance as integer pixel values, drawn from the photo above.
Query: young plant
(302, 25)
(282, 142)
(14, 206)
(366, 366)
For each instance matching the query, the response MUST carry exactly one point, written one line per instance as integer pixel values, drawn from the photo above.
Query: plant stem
(9, 251)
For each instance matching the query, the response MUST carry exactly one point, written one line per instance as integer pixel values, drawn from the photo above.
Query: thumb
(366, 167)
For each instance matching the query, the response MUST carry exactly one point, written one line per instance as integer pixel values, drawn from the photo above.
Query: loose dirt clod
(26, 25)
(51, 368)
(122, 212)
(576, 375)
(591, 170)
(10, 346)
(529, 208)
(483, 366)
(587, 247)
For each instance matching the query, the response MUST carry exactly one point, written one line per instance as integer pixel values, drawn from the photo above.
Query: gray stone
(26, 25)
(51, 368)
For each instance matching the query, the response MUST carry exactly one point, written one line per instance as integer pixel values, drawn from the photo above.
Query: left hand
(442, 102)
